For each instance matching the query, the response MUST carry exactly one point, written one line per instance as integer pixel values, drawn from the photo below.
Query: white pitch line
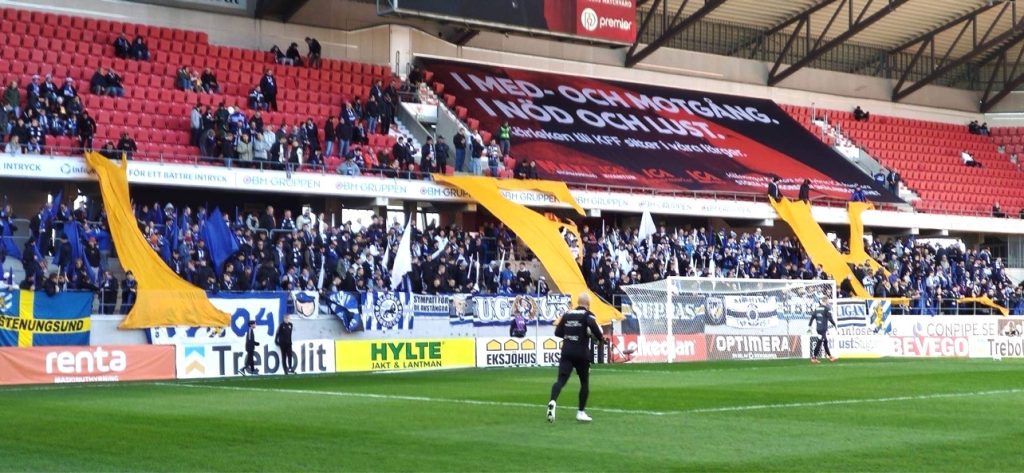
(841, 402)
(710, 410)
(397, 397)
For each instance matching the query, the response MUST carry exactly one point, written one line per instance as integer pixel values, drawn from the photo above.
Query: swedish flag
(30, 318)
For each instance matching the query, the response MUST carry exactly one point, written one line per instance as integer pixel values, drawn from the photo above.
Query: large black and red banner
(594, 131)
(608, 20)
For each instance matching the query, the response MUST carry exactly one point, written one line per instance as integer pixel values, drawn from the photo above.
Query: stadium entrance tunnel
(541, 233)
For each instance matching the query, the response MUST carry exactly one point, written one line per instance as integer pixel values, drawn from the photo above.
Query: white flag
(647, 227)
(403, 258)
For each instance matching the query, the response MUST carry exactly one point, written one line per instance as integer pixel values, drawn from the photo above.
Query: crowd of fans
(931, 275)
(44, 109)
(304, 251)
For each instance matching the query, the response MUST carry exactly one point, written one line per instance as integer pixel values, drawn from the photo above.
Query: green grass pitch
(881, 415)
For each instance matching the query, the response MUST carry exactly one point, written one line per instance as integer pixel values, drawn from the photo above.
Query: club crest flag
(388, 311)
(30, 318)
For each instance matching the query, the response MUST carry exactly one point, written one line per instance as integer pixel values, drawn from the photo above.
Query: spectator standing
(494, 158)
(268, 86)
(261, 146)
(805, 191)
(330, 135)
(345, 129)
(476, 154)
(505, 138)
(372, 115)
(12, 98)
(387, 115)
(314, 52)
(774, 192)
(195, 124)
(244, 150)
(459, 142)
(428, 163)
(441, 155)
(892, 181)
(86, 130)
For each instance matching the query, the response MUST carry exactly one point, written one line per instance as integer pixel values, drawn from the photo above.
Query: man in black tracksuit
(250, 350)
(575, 328)
(284, 341)
(823, 317)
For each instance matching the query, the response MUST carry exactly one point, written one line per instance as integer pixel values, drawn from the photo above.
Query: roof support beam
(676, 26)
(971, 26)
(758, 41)
(857, 20)
(1010, 74)
(293, 7)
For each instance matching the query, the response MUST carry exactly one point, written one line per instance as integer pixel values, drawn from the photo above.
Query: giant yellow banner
(163, 298)
(541, 234)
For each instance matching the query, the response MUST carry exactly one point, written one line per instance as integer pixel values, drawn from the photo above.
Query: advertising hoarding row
(910, 336)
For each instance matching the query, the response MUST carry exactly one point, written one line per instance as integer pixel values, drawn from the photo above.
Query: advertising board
(74, 364)
(225, 359)
(405, 355)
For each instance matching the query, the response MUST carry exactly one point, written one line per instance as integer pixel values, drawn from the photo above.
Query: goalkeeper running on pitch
(823, 317)
(575, 328)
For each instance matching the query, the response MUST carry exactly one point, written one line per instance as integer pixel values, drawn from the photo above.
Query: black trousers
(250, 360)
(288, 360)
(822, 341)
(569, 362)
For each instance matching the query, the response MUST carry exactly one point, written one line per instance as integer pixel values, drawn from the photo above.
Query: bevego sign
(753, 347)
(930, 347)
(663, 348)
(219, 360)
(45, 365)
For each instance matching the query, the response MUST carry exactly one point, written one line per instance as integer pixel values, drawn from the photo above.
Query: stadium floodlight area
(664, 319)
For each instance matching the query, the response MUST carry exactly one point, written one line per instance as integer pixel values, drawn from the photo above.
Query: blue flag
(219, 239)
(345, 306)
(7, 234)
(30, 318)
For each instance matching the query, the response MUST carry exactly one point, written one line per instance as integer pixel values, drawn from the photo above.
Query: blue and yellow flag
(30, 318)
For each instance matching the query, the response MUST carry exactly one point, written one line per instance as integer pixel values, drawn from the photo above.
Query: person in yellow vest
(505, 138)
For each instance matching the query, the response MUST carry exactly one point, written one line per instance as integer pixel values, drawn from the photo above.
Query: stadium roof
(964, 43)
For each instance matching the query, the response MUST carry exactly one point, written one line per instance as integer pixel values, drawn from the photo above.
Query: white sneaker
(583, 417)
(551, 411)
